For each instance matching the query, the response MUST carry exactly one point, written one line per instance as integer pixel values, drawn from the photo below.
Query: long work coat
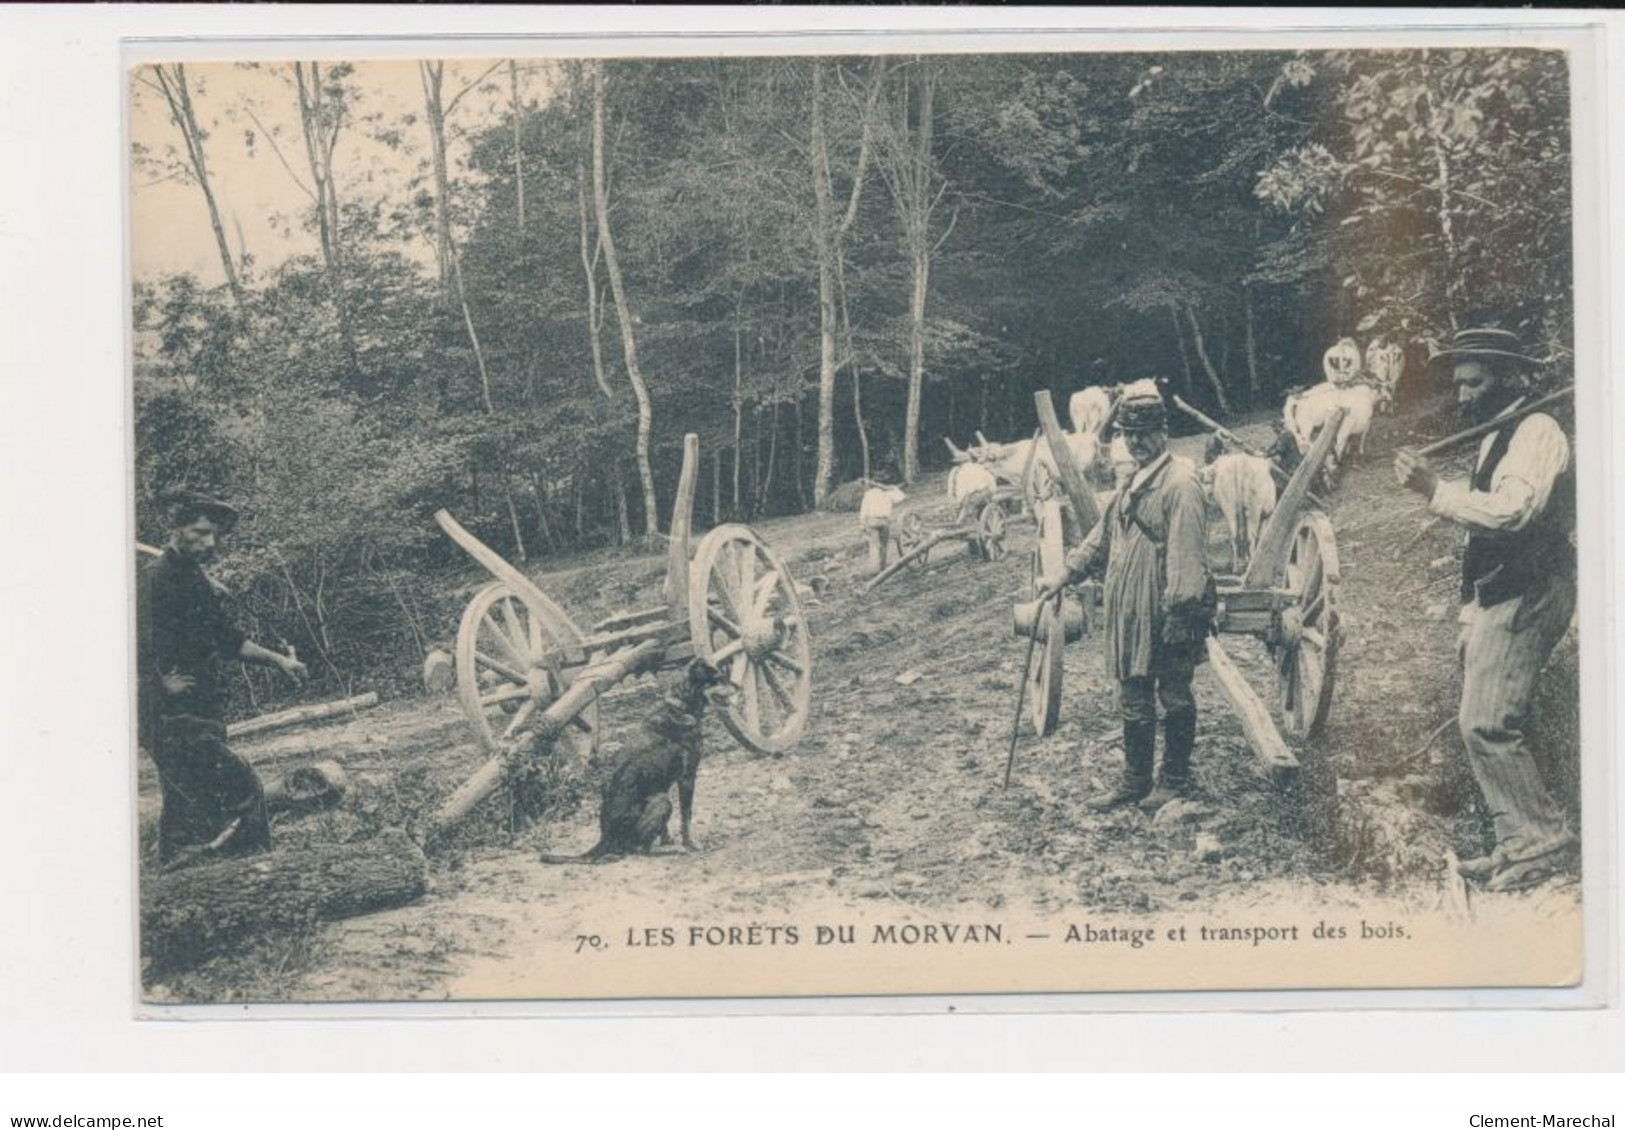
(1154, 537)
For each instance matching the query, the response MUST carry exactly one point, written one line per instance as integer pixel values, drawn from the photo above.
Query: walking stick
(1021, 686)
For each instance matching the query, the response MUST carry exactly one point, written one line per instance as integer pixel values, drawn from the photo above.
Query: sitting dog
(635, 809)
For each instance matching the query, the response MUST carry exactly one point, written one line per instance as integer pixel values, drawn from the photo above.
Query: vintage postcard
(1097, 517)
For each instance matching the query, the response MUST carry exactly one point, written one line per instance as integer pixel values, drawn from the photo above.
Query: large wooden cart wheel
(744, 617)
(909, 533)
(509, 652)
(991, 528)
(1044, 675)
(1306, 660)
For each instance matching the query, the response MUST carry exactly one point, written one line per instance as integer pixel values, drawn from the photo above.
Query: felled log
(190, 914)
(300, 715)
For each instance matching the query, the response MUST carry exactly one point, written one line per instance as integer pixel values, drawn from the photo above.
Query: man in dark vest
(1518, 598)
(213, 800)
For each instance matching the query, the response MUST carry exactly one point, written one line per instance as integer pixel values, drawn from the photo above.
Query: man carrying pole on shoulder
(1518, 598)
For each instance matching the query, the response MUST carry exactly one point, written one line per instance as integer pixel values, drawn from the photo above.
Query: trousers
(1138, 697)
(205, 788)
(1503, 649)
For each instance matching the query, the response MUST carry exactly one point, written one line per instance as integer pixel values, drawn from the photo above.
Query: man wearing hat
(212, 798)
(1152, 540)
(1518, 598)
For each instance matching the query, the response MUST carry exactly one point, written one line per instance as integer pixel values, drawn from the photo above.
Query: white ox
(1385, 364)
(968, 482)
(877, 506)
(1244, 490)
(1306, 413)
(1089, 408)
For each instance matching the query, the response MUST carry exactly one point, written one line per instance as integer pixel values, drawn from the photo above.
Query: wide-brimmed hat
(186, 503)
(1484, 342)
(1140, 409)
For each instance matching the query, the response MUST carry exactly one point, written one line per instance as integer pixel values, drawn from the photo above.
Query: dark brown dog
(635, 812)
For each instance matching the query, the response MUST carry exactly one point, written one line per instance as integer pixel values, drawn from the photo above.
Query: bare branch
(277, 149)
(458, 97)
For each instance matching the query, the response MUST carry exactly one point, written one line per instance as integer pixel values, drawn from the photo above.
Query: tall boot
(1178, 738)
(1139, 752)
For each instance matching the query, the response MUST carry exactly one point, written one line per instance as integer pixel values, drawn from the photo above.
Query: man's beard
(1490, 405)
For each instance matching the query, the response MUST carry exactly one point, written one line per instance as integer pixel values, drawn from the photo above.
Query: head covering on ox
(1140, 408)
(1342, 362)
(1485, 342)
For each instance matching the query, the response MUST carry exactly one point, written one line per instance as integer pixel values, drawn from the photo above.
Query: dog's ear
(702, 674)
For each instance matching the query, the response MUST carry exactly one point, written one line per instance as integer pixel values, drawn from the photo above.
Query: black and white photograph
(1097, 519)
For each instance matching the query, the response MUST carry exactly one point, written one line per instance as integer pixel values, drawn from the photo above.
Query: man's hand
(293, 668)
(176, 683)
(1414, 472)
(1054, 582)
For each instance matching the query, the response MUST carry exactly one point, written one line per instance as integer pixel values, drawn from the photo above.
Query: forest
(821, 266)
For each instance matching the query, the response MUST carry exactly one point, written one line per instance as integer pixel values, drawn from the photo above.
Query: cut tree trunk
(1207, 364)
(189, 914)
(300, 715)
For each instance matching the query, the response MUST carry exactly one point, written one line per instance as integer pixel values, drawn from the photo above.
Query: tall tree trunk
(857, 416)
(513, 520)
(823, 239)
(623, 521)
(539, 496)
(766, 486)
(623, 312)
(178, 94)
(431, 73)
(716, 488)
(982, 414)
(320, 125)
(1184, 355)
(919, 283)
(801, 491)
(1207, 365)
(1254, 394)
(739, 417)
(589, 267)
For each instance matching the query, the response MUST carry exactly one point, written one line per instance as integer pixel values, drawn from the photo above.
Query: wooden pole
(1269, 555)
(1495, 425)
(1250, 711)
(682, 522)
(300, 715)
(1216, 428)
(1077, 491)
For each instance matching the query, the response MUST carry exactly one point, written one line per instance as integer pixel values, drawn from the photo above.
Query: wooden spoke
(787, 662)
(773, 684)
(753, 588)
(718, 620)
(506, 694)
(752, 704)
(505, 633)
(512, 674)
(726, 652)
(764, 593)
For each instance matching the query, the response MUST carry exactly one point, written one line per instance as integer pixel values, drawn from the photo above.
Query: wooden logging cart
(527, 674)
(985, 533)
(1287, 598)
